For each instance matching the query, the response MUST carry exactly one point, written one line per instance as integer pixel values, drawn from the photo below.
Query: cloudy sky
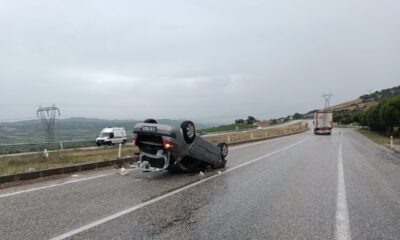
(205, 60)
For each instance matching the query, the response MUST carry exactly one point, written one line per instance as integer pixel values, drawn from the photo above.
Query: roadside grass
(377, 137)
(229, 127)
(50, 147)
(257, 134)
(36, 161)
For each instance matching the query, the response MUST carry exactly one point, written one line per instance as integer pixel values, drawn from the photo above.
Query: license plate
(149, 129)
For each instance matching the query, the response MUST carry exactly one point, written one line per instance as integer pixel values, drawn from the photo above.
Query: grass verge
(229, 127)
(378, 138)
(34, 162)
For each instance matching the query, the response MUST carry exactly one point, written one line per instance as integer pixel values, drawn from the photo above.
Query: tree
(362, 119)
(373, 120)
(274, 121)
(239, 121)
(251, 120)
(389, 115)
(296, 116)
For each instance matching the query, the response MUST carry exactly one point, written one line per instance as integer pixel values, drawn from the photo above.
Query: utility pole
(327, 98)
(48, 117)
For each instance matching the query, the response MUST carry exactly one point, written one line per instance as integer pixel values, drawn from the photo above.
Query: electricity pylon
(48, 117)
(327, 98)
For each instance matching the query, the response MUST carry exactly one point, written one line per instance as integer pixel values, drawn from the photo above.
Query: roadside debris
(75, 175)
(46, 154)
(201, 173)
(219, 172)
(124, 172)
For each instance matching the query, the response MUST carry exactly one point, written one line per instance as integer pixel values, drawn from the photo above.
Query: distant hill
(366, 101)
(31, 131)
(363, 103)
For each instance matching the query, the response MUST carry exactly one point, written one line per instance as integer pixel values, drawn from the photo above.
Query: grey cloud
(198, 59)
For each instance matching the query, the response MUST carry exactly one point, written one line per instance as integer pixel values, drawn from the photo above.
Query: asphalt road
(299, 187)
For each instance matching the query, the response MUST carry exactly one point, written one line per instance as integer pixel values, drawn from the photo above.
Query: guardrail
(48, 145)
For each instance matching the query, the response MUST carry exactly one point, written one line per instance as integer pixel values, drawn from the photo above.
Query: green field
(69, 129)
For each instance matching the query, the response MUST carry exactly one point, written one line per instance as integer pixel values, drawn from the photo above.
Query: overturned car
(176, 149)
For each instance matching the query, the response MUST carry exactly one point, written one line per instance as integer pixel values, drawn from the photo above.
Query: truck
(111, 136)
(323, 122)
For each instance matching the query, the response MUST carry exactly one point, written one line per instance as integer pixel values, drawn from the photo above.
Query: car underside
(176, 149)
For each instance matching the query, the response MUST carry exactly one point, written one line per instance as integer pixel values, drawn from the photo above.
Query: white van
(109, 136)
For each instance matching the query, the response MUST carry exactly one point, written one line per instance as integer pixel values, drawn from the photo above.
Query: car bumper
(323, 131)
(150, 162)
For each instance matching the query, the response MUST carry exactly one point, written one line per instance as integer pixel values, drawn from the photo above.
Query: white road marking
(54, 185)
(342, 231)
(129, 170)
(144, 204)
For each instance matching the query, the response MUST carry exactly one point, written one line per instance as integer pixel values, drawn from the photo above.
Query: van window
(104, 134)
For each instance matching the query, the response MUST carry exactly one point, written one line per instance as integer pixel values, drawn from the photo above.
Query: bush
(384, 117)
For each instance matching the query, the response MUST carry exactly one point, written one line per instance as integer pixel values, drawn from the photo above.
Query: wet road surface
(299, 187)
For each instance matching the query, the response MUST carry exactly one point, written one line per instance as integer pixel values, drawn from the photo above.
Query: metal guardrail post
(61, 146)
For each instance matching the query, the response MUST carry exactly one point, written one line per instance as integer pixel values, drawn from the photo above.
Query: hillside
(68, 129)
(361, 104)
(366, 101)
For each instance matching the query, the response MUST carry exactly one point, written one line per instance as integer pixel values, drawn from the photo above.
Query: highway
(297, 187)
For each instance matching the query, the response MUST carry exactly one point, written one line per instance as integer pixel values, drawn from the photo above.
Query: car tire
(123, 142)
(223, 148)
(189, 131)
(150, 120)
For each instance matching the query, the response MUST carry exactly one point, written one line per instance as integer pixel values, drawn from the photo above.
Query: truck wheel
(150, 120)
(223, 148)
(189, 131)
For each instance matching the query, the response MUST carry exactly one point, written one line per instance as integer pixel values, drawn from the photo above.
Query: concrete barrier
(63, 170)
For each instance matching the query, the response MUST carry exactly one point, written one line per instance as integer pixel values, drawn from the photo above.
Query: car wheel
(123, 142)
(223, 148)
(189, 131)
(150, 120)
